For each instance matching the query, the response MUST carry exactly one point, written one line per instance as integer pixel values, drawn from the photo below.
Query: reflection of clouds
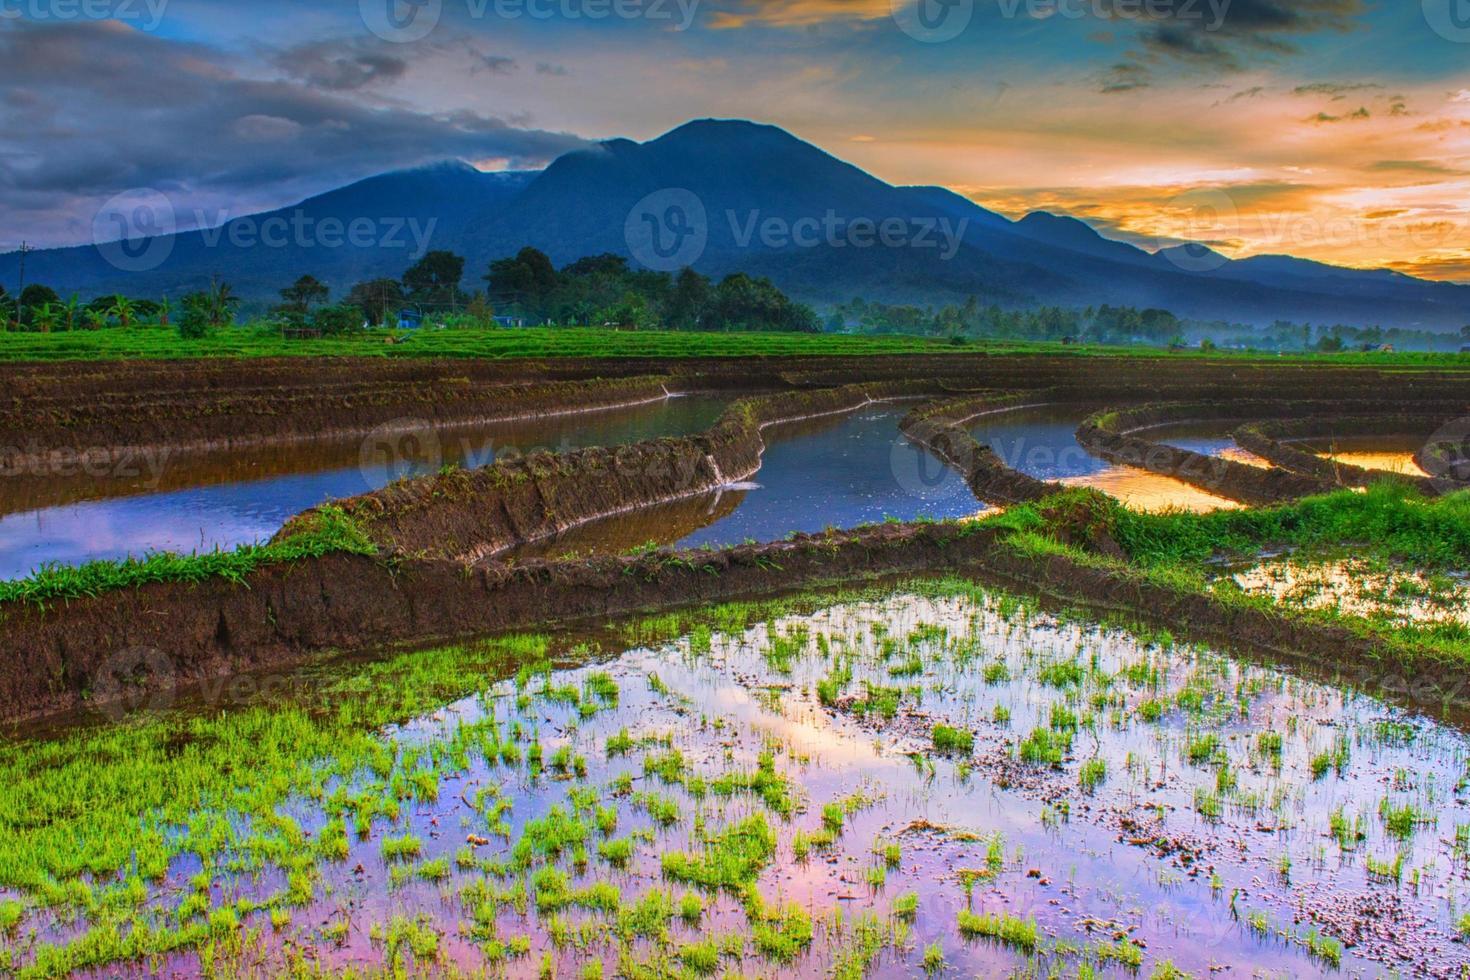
(116, 529)
(1391, 462)
(226, 510)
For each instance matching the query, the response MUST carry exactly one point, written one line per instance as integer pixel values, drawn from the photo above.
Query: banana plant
(46, 317)
(124, 309)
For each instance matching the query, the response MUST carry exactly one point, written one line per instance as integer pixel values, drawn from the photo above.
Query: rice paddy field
(1232, 741)
(934, 778)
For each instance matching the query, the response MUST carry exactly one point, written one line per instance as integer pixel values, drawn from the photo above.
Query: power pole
(19, 310)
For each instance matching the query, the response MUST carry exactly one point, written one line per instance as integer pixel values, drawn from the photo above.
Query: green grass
(731, 860)
(255, 340)
(149, 342)
(1003, 928)
(1179, 553)
(331, 532)
(947, 739)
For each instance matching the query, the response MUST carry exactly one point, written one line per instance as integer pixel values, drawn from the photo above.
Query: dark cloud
(1126, 76)
(495, 64)
(1335, 90)
(340, 66)
(1357, 115)
(1227, 35)
(1250, 93)
(1415, 167)
(545, 68)
(93, 108)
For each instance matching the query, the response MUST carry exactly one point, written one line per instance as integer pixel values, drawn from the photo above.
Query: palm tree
(122, 308)
(220, 303)
(163, 308)
(96, 319)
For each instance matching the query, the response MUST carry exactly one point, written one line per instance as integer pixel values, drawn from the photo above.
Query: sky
(1337, 130)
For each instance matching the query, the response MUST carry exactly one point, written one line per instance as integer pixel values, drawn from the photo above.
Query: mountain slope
(754, 198)
(260, 254)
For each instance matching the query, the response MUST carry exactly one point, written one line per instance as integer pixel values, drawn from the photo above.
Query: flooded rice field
(935, 781)
(1364, 587)
(1393, 455)
(834, 472)
(842, 472)
(1042, 442)
(239, 498)
(1208, 439)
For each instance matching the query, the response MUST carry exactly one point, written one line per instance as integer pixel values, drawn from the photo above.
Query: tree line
(596, 291)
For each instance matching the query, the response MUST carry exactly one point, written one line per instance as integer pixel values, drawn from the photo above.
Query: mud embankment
(1122, 436)
(139, 645)
(41, 439)
(1273, 439)
(217, 403)
(942, 428)
(473, 514)
(1114, 436)
(184, 632)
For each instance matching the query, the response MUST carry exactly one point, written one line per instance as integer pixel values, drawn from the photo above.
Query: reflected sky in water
(219, 505)
(840, 472)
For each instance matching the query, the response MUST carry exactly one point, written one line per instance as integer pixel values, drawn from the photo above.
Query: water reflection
(1042, 442)
(1392, 454)
(239, 498)
(832, 472)
(840, 473)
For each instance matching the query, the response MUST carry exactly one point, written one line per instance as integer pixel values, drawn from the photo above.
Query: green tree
(195, 321)
(334, 320)
(305, 293)
(220, 303)
(434, 280)
(71, 311)
(632, 313)
(689, 302)
(528, 280)
(124, 309)
(378, 299)
(33, 296)
(45, 317)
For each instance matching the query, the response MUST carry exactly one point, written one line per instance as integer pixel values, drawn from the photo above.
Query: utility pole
(19, 310)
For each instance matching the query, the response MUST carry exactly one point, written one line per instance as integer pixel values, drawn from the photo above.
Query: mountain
(262, 253)
(753, 198)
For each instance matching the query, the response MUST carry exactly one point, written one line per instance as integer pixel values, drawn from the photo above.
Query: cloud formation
(93, 108)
